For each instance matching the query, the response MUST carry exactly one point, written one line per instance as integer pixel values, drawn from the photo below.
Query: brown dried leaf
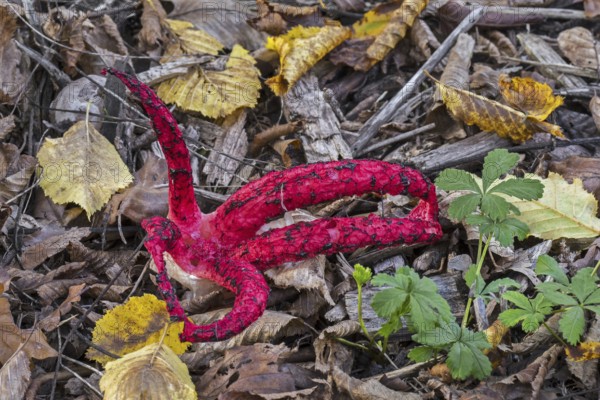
(290, 151)
(585, 168)
(328, 351)
(36, 254)
(13, 78)
(268, 135)
(257, 369)
(151, 35)
(529, 96)
(580, 47)
(66, 27)
(299, 50)
(103, 38)
(148, 195)
(492, 116)
(367, 390)
(51, 321)
(15, 376)
(276, 18)
(591, 8)
(15, 171)
(31, 341)
(7, 124)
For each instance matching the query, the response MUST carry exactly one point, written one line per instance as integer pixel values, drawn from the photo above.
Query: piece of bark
(537, 49)
(321, 134)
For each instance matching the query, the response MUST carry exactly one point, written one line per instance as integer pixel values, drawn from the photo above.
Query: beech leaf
(529, 96)
(82, 167)
(565, 210)
(151, 373)
(134, 325)
(492, 116)
(215, 94)
(299, 50)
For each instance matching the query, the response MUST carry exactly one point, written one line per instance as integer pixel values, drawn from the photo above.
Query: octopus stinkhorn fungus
(224, 246)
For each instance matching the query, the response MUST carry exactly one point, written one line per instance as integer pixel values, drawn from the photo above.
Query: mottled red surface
(223, 246)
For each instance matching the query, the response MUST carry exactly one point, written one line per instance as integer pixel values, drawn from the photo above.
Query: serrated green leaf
(361, 274)
(556, 297)
(496, 164)
(421, 353)
(394, 324)
(595, 309)
(593, 298)
(439, 336)
(583, 285)
(505, 231)
(530, 312)
(471, 275)
(547, 265)
(572, 324)
(466, 358)
(494, 206)
(524, 189)
(518, 299)
(478, 220)
(390, 302)
(456, 179)
(463, 206)
(513, 316)
(386, 280)
(495, 285)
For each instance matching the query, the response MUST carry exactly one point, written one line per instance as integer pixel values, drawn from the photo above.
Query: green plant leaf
(496, 164)
(463, 206)
(583, 284)
(410, 294)
(552, 292)
(524, 189)
(547, 265)
(531, 313)
(495, 207)
(361, 274)
(572, 324)
(495, 285)
(506, 230)
(456, 179)
(422, 353)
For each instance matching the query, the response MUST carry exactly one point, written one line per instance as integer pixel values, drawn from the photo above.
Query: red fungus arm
(332, 235)
(258, 202)
(183, 209)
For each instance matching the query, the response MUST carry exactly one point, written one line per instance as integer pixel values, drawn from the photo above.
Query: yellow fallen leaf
(82, 167)
(299, 50)
(151, 373)
(584, 351)
(492, 116)
(215, 94)
(189, 40)
(565, 210)
(529, 96)
(134, 325)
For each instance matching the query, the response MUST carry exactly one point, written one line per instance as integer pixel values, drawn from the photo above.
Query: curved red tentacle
(332, 235)
(183, 208)
(251, 292)
(256, 203)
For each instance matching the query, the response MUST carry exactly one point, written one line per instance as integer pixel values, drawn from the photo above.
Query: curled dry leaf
(529, 96)
(216, 93)
(492, 116)
(151, 35)
(299, 50)
(146, 197)
(82, 167)
(257, 369)
(51, 322)
(15, 171)
(32, 341)
(189, 40)
(15, 376)
(369, 389)
(276, 18)
(290, 151)
(12, 79)
(139, 322)
(566, 210)
(585, 168)
(7, 124)
(580, 47)
(151, 373)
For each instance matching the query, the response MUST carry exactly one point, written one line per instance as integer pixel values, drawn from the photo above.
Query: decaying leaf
(492, 116)
(133, 326)
(585, 168)
(32, 342)
(51, 322)
(15, 171)
(368, 389)
(529, 96)
(151, 34)
(299, 50)
(82, 167)
(566, 210)
(276, 18)
(13, 78)
(148, 195)
(583, 351)
(189, 40)
(215, 93)
(591, 8)
(15, 376)
(595, 109)
(152, 373)
(378, 33)
(580, 47)
(246, 370)
(494, 334)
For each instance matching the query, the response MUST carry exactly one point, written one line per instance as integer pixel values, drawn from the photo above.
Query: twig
(369, 130)
(397, 138)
